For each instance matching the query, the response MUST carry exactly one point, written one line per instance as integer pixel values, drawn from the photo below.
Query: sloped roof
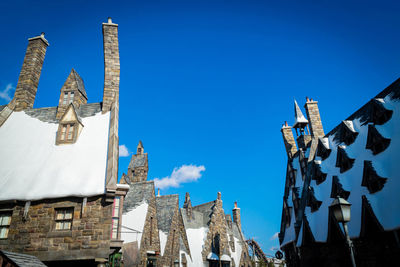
(22, 260)
(165, 211)
(34, 167)
(138, 161)
(299, 117)
(138, 193)
(79, 82)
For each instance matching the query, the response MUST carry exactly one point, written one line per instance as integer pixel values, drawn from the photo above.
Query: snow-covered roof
(33, 167)
(383, 200)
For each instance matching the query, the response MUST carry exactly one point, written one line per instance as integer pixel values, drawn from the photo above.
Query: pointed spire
(140, 148)
(300, 120)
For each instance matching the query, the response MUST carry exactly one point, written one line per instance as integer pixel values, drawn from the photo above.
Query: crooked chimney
(111, 65)
(288, 140)
(236, 216)
(314, 119)
(28, 80)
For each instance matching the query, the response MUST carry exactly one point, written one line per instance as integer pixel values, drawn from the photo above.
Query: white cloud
(275, 236)
(184, 174)
(5, 93)
(123, 151)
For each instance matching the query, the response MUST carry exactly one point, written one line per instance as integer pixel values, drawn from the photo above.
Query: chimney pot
(235, 205)
(109, 20)
(307, 99)
(158, 192)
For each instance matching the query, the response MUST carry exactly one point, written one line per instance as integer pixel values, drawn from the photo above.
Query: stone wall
(28, 81)
(89, 237)
(150, 237)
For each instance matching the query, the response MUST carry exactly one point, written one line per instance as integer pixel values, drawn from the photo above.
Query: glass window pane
(65, 98)
(71, 130)
(68, 214)
(67, 225)
(3, 232)
(6, 220)
(59, 225)
(60, 215)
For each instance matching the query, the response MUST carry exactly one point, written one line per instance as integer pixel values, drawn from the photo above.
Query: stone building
(156, 232)
(357, 161)
(59, 197)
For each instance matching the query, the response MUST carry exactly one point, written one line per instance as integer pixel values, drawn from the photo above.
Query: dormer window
(67, 132)
(69, 128)
(68, 98)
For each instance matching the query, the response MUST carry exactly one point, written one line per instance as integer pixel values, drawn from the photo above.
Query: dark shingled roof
(49, 114)
(137, 161)
(165, 211)
(22, 260)
(137, 194)
(79, 82)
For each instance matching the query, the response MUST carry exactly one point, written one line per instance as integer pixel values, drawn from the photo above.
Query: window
(64, 218)
(115, 218)
(67, 132)
(5, 221)
(68, 98)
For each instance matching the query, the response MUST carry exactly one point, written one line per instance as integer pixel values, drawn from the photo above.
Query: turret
(301, 124)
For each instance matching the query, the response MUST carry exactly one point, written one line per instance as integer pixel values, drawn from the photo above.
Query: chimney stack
(236, 216)
(314, 119)
(188, 205)
(28, 80)
(288, 140)
(111, 65)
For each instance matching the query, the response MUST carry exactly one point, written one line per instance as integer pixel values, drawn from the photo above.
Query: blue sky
(209, 83)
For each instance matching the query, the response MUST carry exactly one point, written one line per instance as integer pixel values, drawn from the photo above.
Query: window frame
(67, 132)
(63, 220)
(68, 97)
(3, 214)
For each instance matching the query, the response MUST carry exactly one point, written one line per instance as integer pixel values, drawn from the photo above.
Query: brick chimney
(288, 140)
(28, 81)
(236, 216)
(314, 119)
(111, 64)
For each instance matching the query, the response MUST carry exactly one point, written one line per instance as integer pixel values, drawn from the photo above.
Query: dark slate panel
(88, 110)
(138, 161)
(138, 192)
(165, 211)
(43, 114)
(23, 259)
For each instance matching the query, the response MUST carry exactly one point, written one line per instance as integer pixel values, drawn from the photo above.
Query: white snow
(325, 142)
(33, 167)
(133, 221)
(350, 125)
(385, 163)
(196, 239)
(212, 256)
(163, 240)
(238, 251)
(225, 258)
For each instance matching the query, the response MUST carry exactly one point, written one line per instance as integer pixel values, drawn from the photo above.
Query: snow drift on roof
(33, 167)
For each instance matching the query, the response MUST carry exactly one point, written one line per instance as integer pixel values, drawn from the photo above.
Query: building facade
(156, 232)
(60, 199)
(357, 161)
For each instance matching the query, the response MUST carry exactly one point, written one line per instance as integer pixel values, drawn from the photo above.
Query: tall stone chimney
(28, 81)
(111, 65)
(110, 101)
(236, 216)
(288, 140)
(188, 205)
(314, 119)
